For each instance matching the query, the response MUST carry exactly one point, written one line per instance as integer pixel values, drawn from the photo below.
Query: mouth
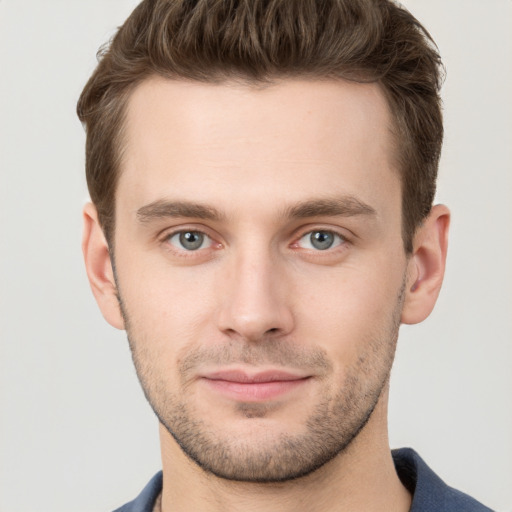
(261, 386)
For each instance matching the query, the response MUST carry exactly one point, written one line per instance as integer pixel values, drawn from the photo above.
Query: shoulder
(429, 492)
(145, 501)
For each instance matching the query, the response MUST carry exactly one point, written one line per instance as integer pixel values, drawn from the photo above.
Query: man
(262, 176)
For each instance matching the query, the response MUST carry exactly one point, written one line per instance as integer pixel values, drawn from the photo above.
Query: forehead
(280, 142)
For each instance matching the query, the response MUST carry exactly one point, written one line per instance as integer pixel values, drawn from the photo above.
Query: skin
(256, 171)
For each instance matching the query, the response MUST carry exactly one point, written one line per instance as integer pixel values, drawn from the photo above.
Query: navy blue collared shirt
(430, 493)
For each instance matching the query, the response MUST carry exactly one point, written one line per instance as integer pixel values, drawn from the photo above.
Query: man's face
(260, 267)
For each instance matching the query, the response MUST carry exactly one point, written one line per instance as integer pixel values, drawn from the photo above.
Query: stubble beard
(334, 423)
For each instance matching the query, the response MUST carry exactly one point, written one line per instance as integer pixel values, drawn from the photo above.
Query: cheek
(167, 308)
(349, 309)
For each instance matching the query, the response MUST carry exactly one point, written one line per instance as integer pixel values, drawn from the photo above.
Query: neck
(361, 478)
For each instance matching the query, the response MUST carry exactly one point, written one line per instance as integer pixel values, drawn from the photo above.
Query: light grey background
(75, 431)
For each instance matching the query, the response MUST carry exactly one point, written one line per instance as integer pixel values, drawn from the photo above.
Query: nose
(256, 298)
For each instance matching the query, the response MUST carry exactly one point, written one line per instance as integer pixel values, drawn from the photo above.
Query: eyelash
(341, 240)
(183, 252)
(341, 243)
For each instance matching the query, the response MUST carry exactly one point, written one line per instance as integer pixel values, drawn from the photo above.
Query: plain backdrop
(75, 431)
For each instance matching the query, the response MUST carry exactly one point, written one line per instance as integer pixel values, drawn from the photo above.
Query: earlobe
(99, 267)
(426, 266)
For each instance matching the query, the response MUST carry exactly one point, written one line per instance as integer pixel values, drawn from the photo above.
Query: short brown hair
(265, 40)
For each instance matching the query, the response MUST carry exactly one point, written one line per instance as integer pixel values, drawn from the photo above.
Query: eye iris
(321, 240)
(191, 240)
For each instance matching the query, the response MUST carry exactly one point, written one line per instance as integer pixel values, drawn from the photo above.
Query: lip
(253, 387)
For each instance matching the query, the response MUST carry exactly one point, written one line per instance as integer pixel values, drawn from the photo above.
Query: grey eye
(320, 240)
(189, 240)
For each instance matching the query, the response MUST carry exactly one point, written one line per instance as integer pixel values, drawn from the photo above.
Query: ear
(99, 267)
(426, 266)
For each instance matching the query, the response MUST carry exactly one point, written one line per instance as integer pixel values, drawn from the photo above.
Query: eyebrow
(162, 209)
(344, 206)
